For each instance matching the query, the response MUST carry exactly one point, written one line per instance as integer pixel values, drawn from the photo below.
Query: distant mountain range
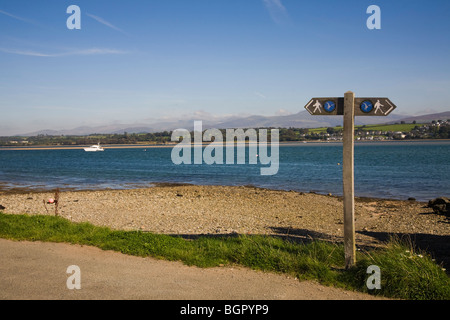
(427, 118)
(299, 120)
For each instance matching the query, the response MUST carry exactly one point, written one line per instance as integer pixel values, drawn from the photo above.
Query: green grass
(405, 273)
(407, 127)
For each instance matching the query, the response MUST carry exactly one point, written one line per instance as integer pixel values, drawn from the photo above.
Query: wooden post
(364, 107)
(348, 179)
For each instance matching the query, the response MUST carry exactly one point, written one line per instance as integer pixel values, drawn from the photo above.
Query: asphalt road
(36, 270)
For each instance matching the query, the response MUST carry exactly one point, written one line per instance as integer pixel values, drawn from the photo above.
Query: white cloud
(25, 52)
(283, 112)
(277, 11)
(17, 17)
(94, 51)
(85, 52)
(259, 94)
(106, 23)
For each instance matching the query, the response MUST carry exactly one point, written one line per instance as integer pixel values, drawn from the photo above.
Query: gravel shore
(220, 210)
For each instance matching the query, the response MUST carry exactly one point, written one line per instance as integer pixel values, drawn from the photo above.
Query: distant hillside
(301, 119)
(427, 118)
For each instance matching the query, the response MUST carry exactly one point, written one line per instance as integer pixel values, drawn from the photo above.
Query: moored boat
(95, 147)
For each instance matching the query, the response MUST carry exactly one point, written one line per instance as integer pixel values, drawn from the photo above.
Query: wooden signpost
(349, 107)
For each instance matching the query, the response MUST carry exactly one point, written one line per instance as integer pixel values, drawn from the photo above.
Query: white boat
(95, 147)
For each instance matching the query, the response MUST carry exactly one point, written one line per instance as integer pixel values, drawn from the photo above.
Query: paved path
(36, 270)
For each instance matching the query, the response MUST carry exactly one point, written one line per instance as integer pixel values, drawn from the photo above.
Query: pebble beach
(190, 210)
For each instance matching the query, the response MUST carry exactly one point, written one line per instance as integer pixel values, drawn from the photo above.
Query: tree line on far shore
(435, 130)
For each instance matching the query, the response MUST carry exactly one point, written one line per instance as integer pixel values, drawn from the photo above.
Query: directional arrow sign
(325, 106)
(373, 106)
(363, 106)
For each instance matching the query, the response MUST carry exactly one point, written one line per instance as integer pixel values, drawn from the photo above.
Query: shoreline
(29, 190)
(171, 145)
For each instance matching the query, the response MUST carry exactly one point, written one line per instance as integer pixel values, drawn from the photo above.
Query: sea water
(397, 170)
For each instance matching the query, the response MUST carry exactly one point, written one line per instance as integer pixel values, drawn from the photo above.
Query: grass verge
(405, 272)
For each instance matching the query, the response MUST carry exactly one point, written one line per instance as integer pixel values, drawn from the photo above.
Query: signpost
(363, 106)
(349, 107)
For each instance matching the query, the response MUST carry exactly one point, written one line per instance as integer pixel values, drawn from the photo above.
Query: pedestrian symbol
(317, 107)
(378, 106)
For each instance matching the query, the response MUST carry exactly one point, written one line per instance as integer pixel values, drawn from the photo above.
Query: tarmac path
(38, 271)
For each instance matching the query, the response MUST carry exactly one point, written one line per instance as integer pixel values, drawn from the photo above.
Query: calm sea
(396, 170)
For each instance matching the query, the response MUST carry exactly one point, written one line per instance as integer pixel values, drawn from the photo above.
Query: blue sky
(137, 61)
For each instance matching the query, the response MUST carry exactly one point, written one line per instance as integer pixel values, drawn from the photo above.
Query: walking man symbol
(378, 106)
(317, 106)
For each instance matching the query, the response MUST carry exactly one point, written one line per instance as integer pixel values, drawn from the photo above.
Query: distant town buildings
(439, 129)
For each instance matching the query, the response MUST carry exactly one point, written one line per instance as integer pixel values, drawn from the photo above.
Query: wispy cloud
(106, 23)
(17, 17)
(82, 52)
(259, 94)
(283, 112)
(53, 108)
(277, 11)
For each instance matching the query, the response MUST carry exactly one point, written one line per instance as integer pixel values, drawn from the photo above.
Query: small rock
(440, 205)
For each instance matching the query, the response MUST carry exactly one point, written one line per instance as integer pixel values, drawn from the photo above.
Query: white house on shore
(399, 135)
